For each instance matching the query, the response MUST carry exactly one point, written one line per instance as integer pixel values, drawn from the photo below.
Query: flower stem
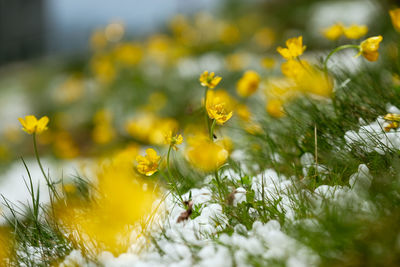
(49, 184)
(205, 109)
(337, 49)
(212, 130)
(170, 178)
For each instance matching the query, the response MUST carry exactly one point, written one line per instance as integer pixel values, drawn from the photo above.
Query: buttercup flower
(204, 154)
(369, 48)
(333, 32)
(355, 31)
(392, 117)
(148, 164)
(395, 16)
(32, 125)
(209, 79)
(294, 68)
(173, 140)
(275, 108)
(248, 84)
(218, 108)
(294, 48)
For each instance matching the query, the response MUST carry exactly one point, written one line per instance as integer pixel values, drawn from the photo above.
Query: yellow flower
(248, 84)
(275, 108)
(395, 16)
(204, 154)
(148, 164)
(333, 32)
(243, 112)
(315, 82)
(31, 125)
(209, 80)
(120, 203)
(173, 141)
(369, 48)
(294, 68)
(392, 117)
(218, 108)
(128, 53)
(391, 125)
(355, 31)
(294, 48)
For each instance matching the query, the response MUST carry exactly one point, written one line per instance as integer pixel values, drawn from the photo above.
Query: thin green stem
(49, 184)
(337, 49)
(212, 130)
(205, 109)
(170, 177)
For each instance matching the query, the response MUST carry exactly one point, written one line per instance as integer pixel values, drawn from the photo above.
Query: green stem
(212, 130)
(205, 109)
(337, 49)
(170, 178)
(49, 184)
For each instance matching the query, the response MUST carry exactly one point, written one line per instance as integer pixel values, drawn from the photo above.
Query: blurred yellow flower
(64, 145)
(128, 53)
(173, 140)
(103, 131)
(120, 203)
(369, 48)
(268, 62)
(248, 84)
(243, 112)
(294, 68)
(103, 68)
(148, 164)
(315, 82)
(32, 125)
(355, 31)
(6, 245)
(294, 48)
(204, 154)
(391, 125)
(218, 107)
(98, 40)
(275, 108)
(226, 143)
(229, 34)
(333, 32)
(395, 16)
(392, 117)
(264, 37)
(209, 79)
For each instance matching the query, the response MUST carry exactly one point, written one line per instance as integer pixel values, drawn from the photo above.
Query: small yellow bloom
(209, 79)
(294, 48)
(369, 48)
(243, 112)
(204, 154)
(391, 125)
(218, 108)
(32, 125)
(395, 16)
(333, 32)
(355, 31)
(392, 117)
(248, 84)
(275, 108)
(148, 164)
(173, 140)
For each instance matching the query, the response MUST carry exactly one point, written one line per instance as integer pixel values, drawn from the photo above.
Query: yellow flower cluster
(337, 30)
(150, 128)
